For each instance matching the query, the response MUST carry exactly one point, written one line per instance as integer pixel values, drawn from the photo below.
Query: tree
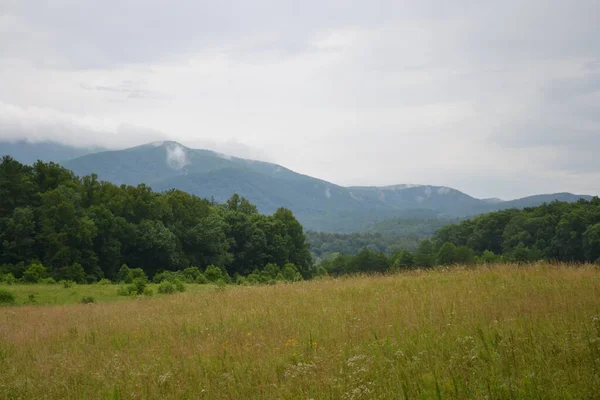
(405, 260)
(464, 255)
(446, 254)
(424, 256)
(34, 273)
(73, 272)
(290, 273)
(591, 243)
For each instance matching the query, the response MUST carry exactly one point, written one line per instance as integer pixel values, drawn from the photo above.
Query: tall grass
(507, 332)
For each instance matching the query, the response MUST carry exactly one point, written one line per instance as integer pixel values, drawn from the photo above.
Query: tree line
(558, 231)
(61, 226)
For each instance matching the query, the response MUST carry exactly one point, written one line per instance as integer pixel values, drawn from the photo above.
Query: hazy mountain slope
(28, 152)
(536, 200)
(319, 205)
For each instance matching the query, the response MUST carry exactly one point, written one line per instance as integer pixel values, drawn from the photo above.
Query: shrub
(87, 300)
(8, 278)
(239, 279)
(138, 273)
(6, 297)
(68, 284)
(47, 281)
(148, 292)
(164, 276)
(290, 273)
(179, 286)
(125, 290)
(139, 285)
(253, 278)
(320, 271)
(201, 279)
(166, 287)
(190, 275)
(124, 274)
(73, 272)
(104, 281)
(34, 273)
(270, 272)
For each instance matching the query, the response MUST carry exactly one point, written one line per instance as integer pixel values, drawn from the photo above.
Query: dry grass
(506, 332)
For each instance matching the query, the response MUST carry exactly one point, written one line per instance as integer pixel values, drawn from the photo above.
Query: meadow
(503, 332)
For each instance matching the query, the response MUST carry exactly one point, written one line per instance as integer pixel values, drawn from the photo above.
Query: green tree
(446, 254)
(34, 273)
(425, 254)
(405, 260)
(73, 272)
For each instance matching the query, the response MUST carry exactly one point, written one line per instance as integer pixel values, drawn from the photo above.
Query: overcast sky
(495, 98)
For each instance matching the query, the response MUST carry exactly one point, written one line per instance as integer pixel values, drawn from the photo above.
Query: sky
(494, 98)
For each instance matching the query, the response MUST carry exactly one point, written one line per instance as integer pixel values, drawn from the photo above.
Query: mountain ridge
(319, 204)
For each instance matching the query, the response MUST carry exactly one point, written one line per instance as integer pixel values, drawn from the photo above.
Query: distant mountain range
(319, 205)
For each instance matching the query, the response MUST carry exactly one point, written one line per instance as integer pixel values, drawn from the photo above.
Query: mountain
(533, 201)
(29, 152)
(318, 204)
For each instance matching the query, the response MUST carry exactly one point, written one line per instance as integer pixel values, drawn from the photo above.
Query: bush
(125, 290)
(173, 286)
(139, 285)
(87, 300)
(253, 278)
(104, 281)
(320, 271)
(8, 278)
(73, 272)
(148, 292)
(179, 286)
(239, 279)
(68, 284)
(124, 274)
(213, 274)
(190, 275)
(201, 279)
(164, 276)
(34, 273)
(166, 287)
(6, 297)
(290, 273)
(47, 281)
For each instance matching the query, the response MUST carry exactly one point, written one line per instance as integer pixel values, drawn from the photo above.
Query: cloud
(176, 156)
(495, 98)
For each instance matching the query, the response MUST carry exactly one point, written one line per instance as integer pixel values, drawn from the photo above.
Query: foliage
(34, 273)
(87, 300)
(73, 272)
(324, 245)
(168, 287)
(6, 297)
(84, 230)
(68, 284)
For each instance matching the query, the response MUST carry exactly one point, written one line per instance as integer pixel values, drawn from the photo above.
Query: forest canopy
(83, 229)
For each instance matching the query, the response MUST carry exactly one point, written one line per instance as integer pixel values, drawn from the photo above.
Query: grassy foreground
(506, 332)
(58, 295)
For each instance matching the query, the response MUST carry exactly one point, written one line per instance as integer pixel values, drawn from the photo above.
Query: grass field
(58, 295)
(504, 332)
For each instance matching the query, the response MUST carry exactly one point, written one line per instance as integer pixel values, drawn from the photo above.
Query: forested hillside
(555, 231)
(558, 231)
(84, 229)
